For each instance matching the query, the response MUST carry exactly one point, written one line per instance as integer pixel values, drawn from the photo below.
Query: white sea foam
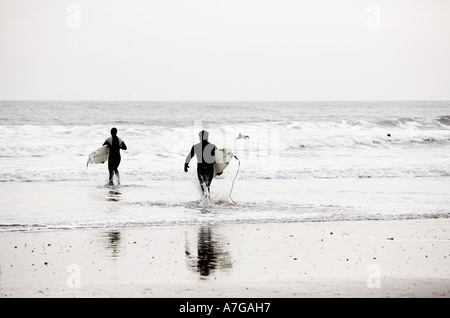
(295, 150)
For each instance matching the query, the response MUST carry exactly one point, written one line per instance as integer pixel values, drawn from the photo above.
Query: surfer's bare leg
(203, 186)
(205, 177)
(202, 183)
(208, 184)
(208, 179)
(206, 192)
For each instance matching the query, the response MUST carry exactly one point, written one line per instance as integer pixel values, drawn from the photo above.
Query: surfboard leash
(86, 172)
(232, 184)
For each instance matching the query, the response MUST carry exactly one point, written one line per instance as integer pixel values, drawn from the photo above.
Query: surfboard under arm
(98, 156)
(222, 159)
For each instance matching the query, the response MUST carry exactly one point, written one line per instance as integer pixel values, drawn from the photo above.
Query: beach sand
(397, 258)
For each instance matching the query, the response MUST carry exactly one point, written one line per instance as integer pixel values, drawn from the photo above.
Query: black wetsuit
(204, 152)
(115, 144)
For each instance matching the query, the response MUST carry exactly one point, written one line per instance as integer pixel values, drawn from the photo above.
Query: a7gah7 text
(227, 307)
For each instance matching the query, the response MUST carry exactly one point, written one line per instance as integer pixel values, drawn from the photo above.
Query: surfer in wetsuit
(205, 152)
(114, 144)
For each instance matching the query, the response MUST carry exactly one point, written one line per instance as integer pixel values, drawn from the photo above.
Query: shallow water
(67, 205)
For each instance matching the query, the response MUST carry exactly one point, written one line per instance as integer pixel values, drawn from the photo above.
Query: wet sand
(402, 258)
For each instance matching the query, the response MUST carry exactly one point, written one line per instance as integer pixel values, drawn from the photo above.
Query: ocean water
(302, 161)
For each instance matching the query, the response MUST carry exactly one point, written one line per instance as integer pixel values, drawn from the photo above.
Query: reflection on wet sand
(114, 196)
(211, 253)
(113, 242)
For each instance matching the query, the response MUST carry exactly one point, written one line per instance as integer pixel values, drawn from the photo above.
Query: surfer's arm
(188, 159)
(123, 146)
(106, 143)
(190, 155)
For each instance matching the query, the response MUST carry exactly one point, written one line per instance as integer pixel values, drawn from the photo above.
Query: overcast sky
(225, 49)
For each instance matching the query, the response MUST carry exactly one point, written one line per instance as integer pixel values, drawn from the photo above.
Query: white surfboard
(98, 156)
(222, 159)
